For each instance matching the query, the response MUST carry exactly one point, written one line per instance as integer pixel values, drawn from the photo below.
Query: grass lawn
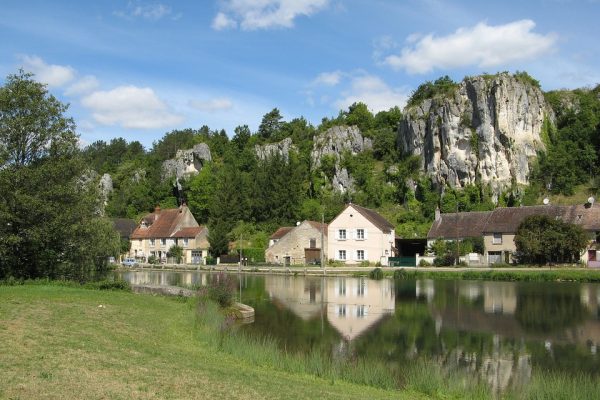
(57, 343)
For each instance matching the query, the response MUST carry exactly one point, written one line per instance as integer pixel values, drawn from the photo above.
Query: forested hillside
(441, 150)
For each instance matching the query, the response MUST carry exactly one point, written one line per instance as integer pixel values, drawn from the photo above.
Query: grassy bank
(57, 342)
(559, 275)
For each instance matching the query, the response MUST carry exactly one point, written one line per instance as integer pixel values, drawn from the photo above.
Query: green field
(56, 342)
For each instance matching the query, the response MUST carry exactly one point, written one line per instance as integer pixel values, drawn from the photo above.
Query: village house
(163, 229)
(359, 234)
(499, 227)
(297, 245)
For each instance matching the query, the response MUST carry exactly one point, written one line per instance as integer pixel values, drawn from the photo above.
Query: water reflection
(500, 332)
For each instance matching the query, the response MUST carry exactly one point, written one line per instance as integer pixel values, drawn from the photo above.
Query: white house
(358, 234)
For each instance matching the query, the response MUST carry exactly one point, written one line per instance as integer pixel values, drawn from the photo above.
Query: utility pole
(322, 244)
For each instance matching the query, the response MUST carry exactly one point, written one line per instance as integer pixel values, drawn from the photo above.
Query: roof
(281, 232)
(459, 225)
(188, 232)
(319, 226)
(508, 219)
(124, 226)
(163, 224)
(376, 219)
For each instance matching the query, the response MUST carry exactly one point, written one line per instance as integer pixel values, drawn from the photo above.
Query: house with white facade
(163, 229)
(359, 234)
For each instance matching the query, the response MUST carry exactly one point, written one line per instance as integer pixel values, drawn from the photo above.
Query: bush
(335, 263)
(377, 274)
(117, 284)
(424, 263)
(220, 288)
(364, 264)
(254, 255)
(211, 261)
(444, 261)
(152, 260)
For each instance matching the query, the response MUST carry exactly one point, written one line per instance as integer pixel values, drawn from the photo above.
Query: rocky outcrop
(487, 132)
(105, 186)
(334, 142)
(186, 162)
(282, 148)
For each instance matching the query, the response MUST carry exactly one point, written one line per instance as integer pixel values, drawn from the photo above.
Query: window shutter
(366, 255)
(366, 237)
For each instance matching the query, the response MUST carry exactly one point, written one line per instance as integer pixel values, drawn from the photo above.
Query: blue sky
(138, 69)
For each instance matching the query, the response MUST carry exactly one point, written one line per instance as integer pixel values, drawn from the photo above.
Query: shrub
(376, 273)
(335, 263)
(220, 288)
(364, 264)
(424, 263)
(152, 260)
(444, 261)
(211, 261)
(117, 284)
(254, 254)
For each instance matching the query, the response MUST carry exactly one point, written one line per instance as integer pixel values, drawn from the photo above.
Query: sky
(138, 69)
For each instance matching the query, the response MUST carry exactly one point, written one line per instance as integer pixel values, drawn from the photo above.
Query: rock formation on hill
(334, 142)
(186, 162)
(486, 132)
(282, 148)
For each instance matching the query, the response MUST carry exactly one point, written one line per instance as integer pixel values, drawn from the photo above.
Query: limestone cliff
(334, 142)
(186, 162)
(282, 148)
(486, 132)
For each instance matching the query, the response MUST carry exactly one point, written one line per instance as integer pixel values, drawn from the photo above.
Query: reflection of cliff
(352, 305)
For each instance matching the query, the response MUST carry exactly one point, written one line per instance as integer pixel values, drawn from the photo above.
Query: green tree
(270, 125)
(541, 239)
(176, 252)
(48, 208)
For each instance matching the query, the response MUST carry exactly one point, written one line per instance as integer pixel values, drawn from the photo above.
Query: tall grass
(556, 386)
(525, 276)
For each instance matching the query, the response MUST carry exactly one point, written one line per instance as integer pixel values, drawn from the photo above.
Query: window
(163, 242)
(341, 234)
(497, 238)
(341, 254)
(341, 310)
(362, 287)
(342, 287)
(140, 242)
(151, 242)
(360, 255)
(361, 311)
(597, 236)
(360, 234)
(313, 243)
(185, 242)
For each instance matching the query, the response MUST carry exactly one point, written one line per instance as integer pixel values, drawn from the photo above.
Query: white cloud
(53, 75)
(222, 21)
(374, 92)
(138, 9)
(213, 105)
(87, 84)
(264, 14)
(130, 107)
(328, 78)
(482, 45)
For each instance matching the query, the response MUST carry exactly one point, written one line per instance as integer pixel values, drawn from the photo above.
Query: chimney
(438, 215)
(156, 212)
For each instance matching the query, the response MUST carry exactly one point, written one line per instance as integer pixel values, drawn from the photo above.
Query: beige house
(162, 229)
(499, 227)
(359, 234)
(297, 245)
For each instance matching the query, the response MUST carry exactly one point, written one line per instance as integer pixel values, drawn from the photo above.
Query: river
(501, 331)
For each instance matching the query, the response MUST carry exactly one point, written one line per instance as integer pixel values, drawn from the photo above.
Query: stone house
(499, 227)
(297, 245)
(359, 234)
(162, 229)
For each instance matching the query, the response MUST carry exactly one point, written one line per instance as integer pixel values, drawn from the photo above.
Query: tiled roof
(508, 219)
(124, 226)
(160, 224)
(188, 232)
(281, 232)
(461, 225)
(383, 224)
(318, 226)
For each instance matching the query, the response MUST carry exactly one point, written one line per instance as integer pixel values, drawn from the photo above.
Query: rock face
(186, 162)
(334, 142)
(282, 148)
(105, 187)
(487, 132)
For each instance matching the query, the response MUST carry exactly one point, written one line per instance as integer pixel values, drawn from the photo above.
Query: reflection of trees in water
(542, 311)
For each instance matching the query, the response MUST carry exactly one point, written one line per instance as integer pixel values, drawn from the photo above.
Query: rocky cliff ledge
(282, 148)
(334, 142)
(186, 162)
(486, 132)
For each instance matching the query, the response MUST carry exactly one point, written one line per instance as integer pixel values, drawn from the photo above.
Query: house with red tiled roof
(300, 244)
(163, 229)
(360, 234)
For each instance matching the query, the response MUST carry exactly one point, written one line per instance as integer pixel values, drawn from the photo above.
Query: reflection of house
(162, 229)
(297, 245)
(499, 227)
(358, 234)
(352, 305)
